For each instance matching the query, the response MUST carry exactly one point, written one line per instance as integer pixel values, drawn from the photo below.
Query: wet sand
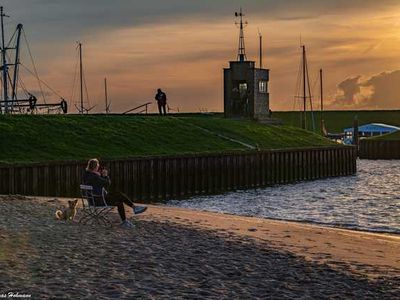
(315, 243)
(184, 254)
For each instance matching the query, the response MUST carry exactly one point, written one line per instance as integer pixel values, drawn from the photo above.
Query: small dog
(69, 213)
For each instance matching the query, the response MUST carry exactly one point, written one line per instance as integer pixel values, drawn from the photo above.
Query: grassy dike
(30, 138)
(336, 121)
(395, 136)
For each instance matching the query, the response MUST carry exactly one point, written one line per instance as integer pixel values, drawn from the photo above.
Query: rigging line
(309, 92)
(314, 85)
(297, 87)
(34, 66)
(75, 78)
(41, 81)
(86, 90)
(10, 100)
(11, 81)
(23, 87)
(11, 39)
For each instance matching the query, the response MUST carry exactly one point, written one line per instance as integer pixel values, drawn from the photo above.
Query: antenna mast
(242, 48)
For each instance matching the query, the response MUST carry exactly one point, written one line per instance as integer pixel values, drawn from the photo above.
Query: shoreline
(181, 253)
(322, 244)
(312, 223)
(317, 243)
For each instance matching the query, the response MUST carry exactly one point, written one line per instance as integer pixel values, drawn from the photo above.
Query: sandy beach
(185, 254)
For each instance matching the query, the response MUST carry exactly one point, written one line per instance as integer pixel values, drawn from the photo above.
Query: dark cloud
(382, 91)
(61, 18)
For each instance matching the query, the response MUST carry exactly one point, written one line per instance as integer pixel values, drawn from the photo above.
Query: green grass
(336, 121)
(261, 136)
(27, 138)
(395, 136)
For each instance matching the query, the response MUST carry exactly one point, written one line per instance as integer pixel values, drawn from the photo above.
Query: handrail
(140, 106)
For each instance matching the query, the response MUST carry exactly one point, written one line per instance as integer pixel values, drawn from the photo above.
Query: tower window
(262, 86)
(242, 87)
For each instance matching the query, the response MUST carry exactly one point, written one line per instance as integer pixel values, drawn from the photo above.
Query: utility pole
(304, 123)
(106, 96)
(81, 74)
(4, 60)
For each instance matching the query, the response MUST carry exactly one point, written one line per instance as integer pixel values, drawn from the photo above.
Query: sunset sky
(183, 45)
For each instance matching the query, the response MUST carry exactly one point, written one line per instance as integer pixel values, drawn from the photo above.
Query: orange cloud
(186, 56)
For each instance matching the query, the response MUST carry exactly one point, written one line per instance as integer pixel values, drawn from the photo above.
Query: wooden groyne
(379, 149)
(153, 179)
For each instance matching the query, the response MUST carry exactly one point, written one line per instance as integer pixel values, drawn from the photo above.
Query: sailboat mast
(106, 95)
(261, 51)
(322, 99)
(81, 75)
(304, 89)
(322, 91)
(5, 67)
(16, 65)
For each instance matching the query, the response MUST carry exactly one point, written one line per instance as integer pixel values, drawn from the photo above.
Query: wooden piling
(155, 179)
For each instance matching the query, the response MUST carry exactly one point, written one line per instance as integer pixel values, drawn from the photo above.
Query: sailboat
(11, 82)
(304, 92)
(80, 106)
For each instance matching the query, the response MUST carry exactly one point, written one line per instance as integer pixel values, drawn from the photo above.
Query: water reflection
(368, 201)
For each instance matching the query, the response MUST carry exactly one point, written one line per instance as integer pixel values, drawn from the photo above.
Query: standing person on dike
(161, 99)
(99, 180)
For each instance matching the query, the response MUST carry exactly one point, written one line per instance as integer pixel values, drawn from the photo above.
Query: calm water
(368, 201)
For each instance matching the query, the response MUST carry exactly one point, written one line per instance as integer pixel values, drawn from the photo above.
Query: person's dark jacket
(96, 181)
(161, 98)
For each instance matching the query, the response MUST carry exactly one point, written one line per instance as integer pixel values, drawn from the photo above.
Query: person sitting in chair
(99, 180)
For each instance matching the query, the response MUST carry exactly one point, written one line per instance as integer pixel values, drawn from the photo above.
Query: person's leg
(165, 109)
(159, 107)
(118, 197)
(113, 199)
(125, 199)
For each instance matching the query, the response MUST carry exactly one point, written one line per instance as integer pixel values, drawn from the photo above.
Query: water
(368, 201)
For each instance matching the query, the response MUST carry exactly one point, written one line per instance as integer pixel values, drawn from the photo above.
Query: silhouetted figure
(100, 180)
(161, 98)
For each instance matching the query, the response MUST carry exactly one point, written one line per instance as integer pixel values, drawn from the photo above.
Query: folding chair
(91, 211)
